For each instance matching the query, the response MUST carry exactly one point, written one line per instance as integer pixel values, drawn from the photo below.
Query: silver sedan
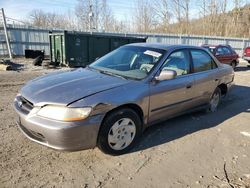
(110, 102)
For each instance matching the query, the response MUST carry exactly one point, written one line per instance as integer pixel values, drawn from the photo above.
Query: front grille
(23, 104)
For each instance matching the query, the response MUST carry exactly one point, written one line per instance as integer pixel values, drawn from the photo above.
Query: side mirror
(166, 74)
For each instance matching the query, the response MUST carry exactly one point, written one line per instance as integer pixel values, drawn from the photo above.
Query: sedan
(224, 53)
(112, 101)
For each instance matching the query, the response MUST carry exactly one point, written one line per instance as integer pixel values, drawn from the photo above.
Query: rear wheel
(233, 64)
(215, 100)
(119, 132)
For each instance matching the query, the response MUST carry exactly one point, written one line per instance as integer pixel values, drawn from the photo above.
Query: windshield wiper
(108, 73)
(91, 68)
(113, 74)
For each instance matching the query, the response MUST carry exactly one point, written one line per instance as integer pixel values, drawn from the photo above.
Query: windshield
(129, 62)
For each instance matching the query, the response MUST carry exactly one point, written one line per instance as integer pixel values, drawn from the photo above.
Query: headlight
(64, 113)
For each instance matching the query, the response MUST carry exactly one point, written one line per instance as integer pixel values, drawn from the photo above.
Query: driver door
(170, 97)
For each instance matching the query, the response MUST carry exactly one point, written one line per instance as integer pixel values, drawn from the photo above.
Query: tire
(233, 64)
(38, 61)
(215, 100)
(123, 125)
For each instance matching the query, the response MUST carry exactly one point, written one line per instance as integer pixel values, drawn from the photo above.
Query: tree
(107, 20)
(181, 10)
(101, 17)
(82, 12)
(38, 18)
(43, 19)
(145, 17)
(163, 14)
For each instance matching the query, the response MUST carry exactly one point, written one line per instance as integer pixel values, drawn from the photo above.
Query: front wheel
(119, 132)
(215, 100)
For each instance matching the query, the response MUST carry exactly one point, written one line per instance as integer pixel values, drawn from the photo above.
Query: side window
(202, 61)
(226, 50)
(220, 51)
(178, 61)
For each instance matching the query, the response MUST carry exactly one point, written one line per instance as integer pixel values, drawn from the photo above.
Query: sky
(20, 9)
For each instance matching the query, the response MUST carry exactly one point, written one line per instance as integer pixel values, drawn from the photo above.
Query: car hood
(66, 87)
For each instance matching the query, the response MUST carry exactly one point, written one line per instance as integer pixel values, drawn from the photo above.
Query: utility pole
(6, 34)
(91, 17)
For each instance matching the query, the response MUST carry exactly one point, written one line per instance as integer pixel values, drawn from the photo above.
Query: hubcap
(215, 102)
(121, 134)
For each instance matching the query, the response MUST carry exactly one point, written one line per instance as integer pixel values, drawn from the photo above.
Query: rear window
(210, 48)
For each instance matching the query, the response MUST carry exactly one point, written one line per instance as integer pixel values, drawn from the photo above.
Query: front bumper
(247, 58)
(68, 136)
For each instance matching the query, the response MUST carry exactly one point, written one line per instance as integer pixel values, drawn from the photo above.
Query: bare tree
(155, 16)
(145, 16)
(103, 18)
(236, 14)
(40, 18)
(83, 10)
(181, 10)
(163, 14)
(107, 20)
(203, 12)
(186, 5)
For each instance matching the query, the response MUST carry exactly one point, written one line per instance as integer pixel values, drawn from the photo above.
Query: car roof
(164, 46)
(215, 46)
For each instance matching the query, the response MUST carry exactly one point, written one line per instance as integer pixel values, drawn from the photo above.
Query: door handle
(189, 86)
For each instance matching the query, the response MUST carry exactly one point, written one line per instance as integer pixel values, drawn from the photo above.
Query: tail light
(247, 51)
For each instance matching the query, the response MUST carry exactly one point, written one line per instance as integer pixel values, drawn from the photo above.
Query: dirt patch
(194, 150)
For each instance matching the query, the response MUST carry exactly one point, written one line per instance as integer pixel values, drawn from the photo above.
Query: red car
(246, 54)
(224, 53)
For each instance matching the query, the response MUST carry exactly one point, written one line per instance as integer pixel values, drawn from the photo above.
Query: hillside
(235, 23)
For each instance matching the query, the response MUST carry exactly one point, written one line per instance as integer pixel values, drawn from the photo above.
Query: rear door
(205, 74)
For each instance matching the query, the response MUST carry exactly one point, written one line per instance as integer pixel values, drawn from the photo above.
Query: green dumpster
(78, 49)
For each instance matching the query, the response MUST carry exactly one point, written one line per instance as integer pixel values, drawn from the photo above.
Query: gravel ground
(194, 150)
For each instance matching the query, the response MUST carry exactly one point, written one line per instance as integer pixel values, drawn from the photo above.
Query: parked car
(110, 102)
(246, 54)
(224, 53)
